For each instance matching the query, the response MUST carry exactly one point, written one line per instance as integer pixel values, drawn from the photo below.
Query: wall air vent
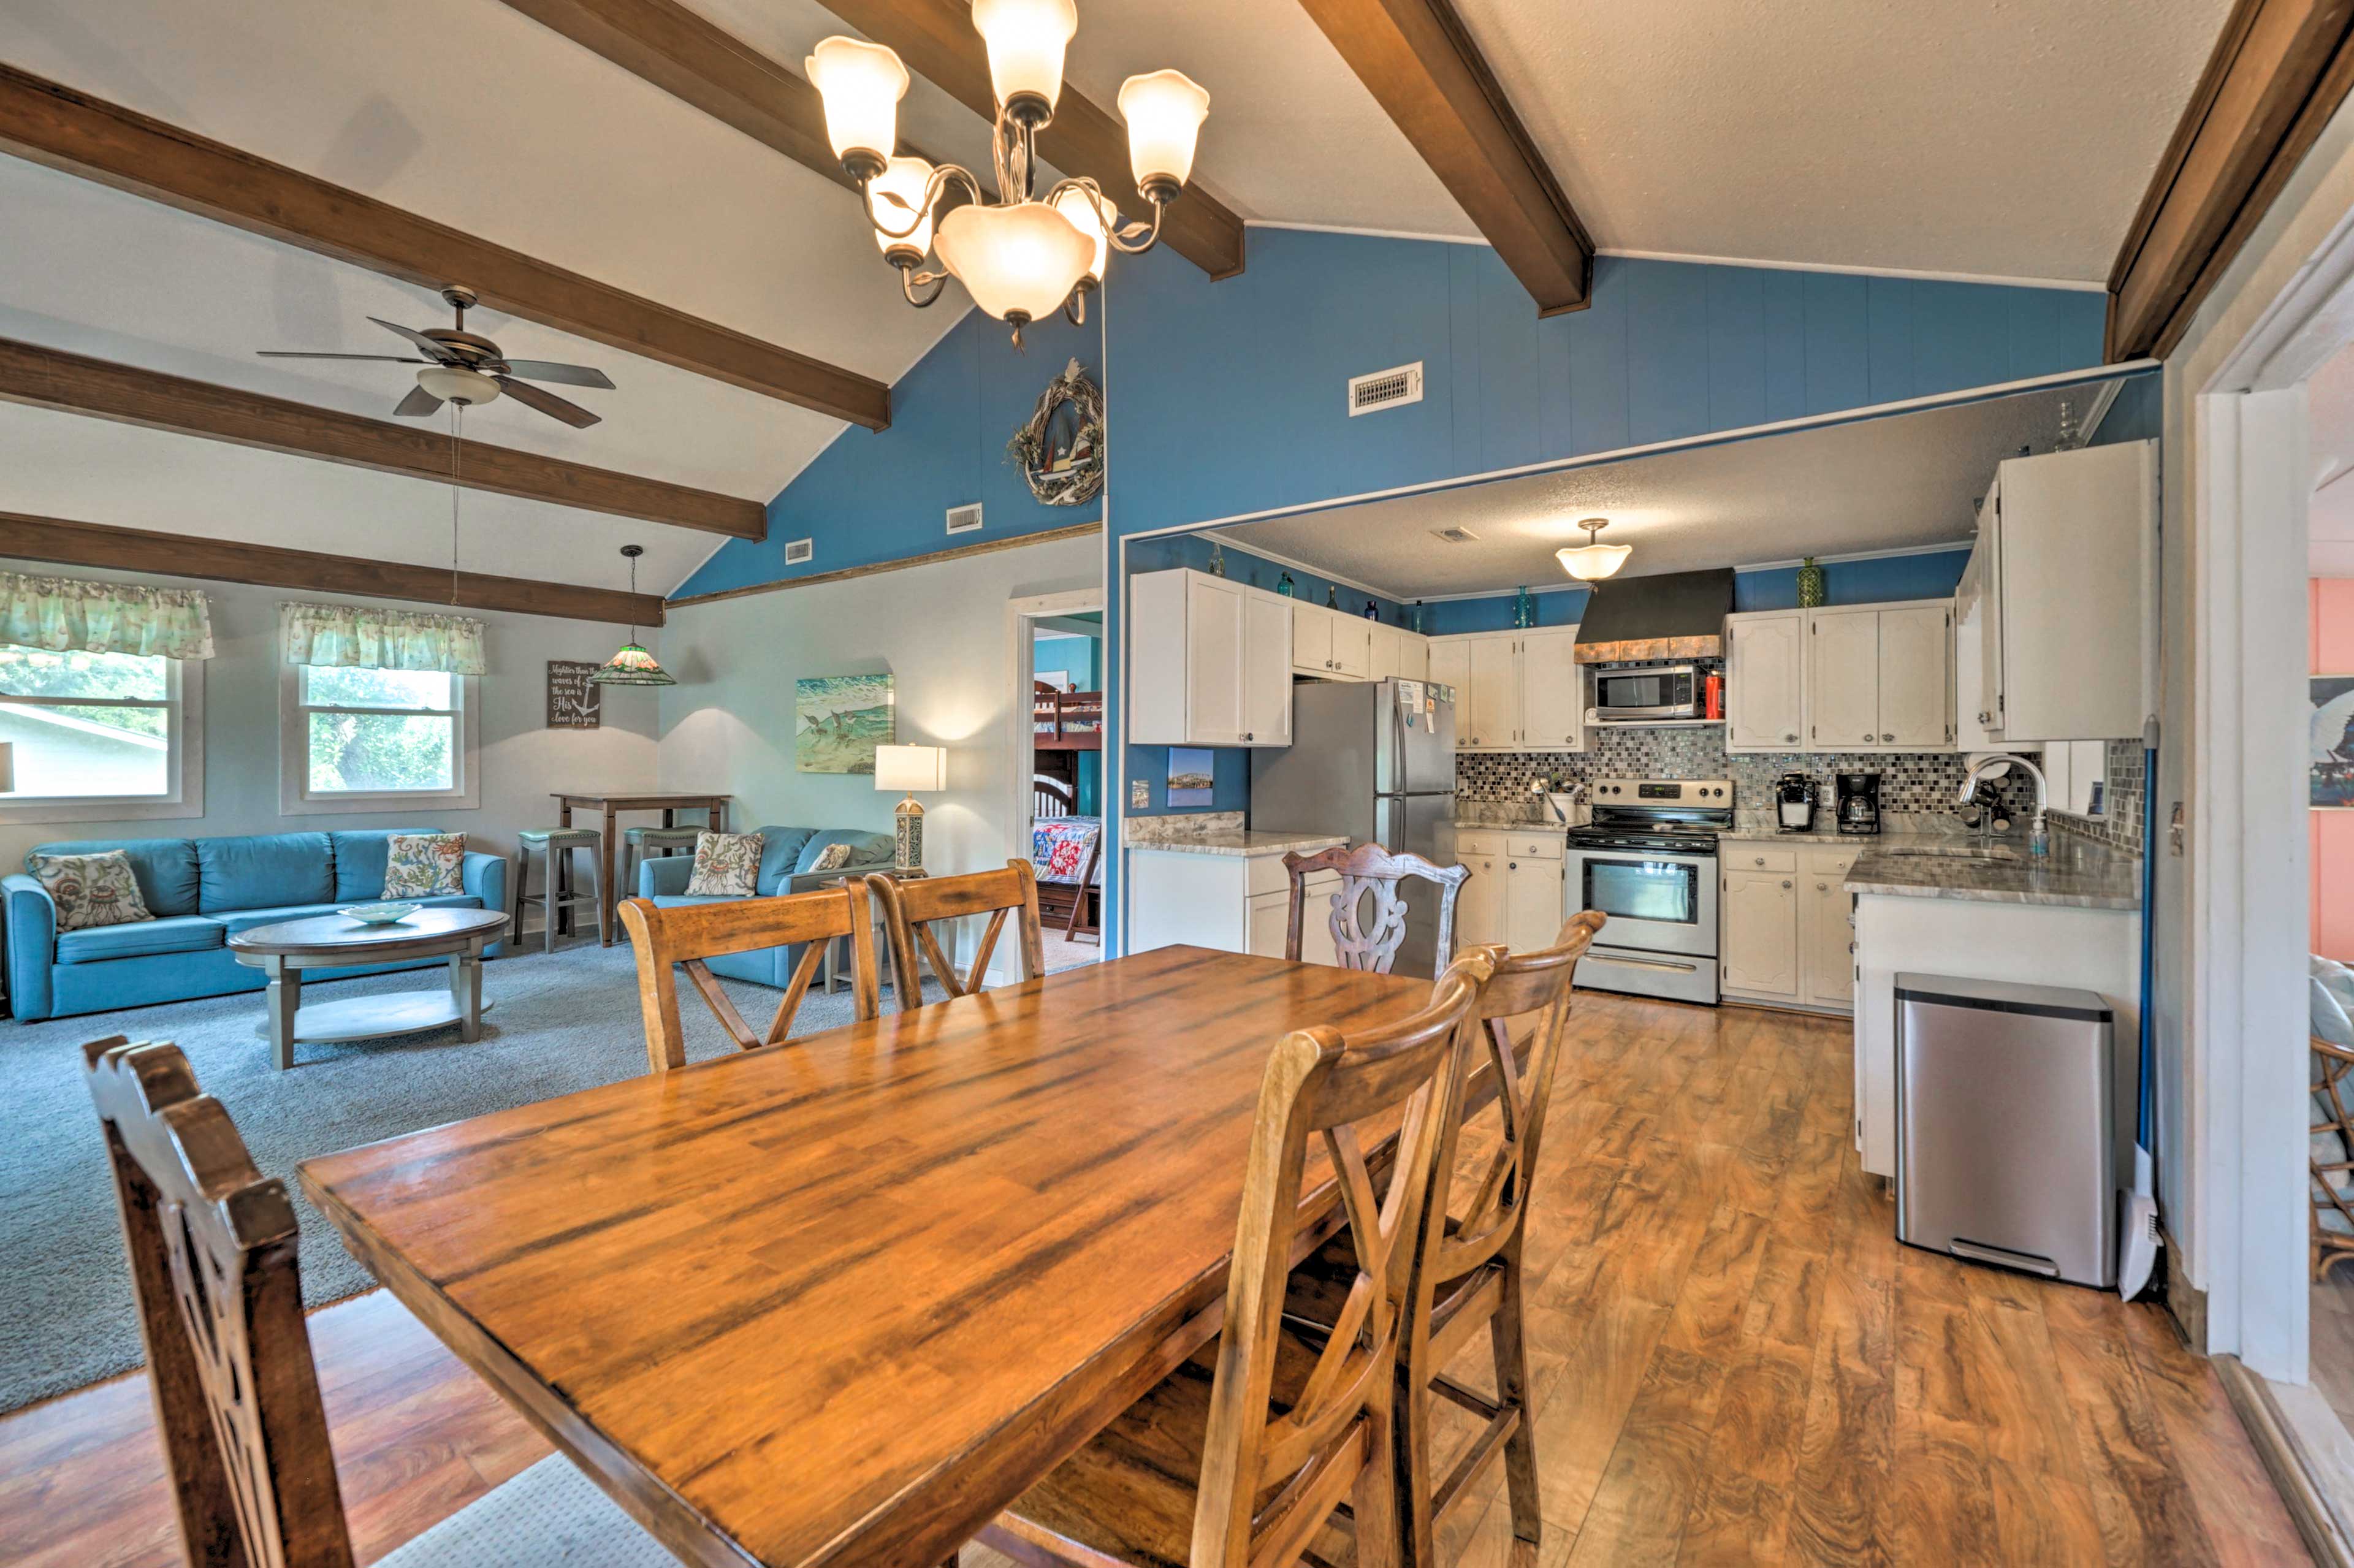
(964, 519)
(798, 551)
(1456, 535)
(1385, 389)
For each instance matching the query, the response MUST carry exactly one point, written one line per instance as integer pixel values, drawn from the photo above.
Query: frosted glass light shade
(907, 769)
(1093, 222)
(1164, 113)
(1025, 39)
(456, 383)
(861, 85)
(904, 179)
(1022, 260)
(1591, 563)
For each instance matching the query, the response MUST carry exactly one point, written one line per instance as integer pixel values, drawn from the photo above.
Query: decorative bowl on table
(380, 914)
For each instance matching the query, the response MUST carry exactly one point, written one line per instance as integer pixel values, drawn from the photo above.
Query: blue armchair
(785, 856)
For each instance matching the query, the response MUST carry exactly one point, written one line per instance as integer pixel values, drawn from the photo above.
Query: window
(100, 736)
(364, 740)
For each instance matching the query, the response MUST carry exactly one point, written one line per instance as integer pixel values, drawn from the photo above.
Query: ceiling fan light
(1165, 113)
(861, 85)
(1026, 40)
(905, 178)
(1093, 222)
(453, 384)
(1020, 261)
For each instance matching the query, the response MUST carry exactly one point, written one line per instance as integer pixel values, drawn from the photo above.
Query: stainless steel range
(1648, 860)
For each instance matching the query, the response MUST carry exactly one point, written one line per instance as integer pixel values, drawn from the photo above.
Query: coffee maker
(1794, 802)
(1857, 804)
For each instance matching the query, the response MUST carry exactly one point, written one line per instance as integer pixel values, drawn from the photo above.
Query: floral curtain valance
(66, 615)
(364, 636)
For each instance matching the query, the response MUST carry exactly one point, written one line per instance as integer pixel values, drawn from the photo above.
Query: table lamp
(909, 768)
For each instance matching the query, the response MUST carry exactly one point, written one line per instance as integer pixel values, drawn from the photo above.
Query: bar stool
(636, 844)
(556, 846)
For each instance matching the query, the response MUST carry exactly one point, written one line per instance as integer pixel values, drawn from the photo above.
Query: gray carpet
(561, 1023)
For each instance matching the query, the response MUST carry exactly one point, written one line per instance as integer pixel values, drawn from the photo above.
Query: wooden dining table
(669, 803)
(842, 1300)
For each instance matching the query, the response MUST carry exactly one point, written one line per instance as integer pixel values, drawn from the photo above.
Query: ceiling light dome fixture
(1024, 255)
(455, 383)
(1593, 561)
(631, 664)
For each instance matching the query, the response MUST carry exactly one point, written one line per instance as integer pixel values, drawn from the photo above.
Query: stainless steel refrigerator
(1374, 760)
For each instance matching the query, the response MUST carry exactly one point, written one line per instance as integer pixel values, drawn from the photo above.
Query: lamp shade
(1022, 260)
(1591, 563)
(1025, 39)
(1092, 221)
(861, 85)
(909, 769)
(456, 383)
(630, 665)
(1164, 113)
(898, 228)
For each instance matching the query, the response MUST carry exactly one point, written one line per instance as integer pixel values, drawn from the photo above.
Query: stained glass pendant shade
(631, 664)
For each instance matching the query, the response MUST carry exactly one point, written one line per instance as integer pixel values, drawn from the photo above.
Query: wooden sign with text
(573, 702)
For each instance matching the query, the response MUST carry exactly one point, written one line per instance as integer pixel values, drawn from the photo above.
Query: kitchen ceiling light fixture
(1593, 561)
(1024, 255)
(631, 664)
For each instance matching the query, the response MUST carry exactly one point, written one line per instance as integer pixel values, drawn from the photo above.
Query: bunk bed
(1067, 849)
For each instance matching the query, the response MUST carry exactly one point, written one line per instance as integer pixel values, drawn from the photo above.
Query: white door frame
(2247, 901)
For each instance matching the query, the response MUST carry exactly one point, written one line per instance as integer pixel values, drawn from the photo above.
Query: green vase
(1810, 584)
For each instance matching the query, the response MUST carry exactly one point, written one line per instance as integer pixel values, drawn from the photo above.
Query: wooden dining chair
(683, 936)
(212, 1253)
(1243, 1454)
(911, 907)
(1475, 1278)
(1370, 874)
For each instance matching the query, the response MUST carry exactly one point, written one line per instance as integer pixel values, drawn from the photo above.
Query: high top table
(668, 803)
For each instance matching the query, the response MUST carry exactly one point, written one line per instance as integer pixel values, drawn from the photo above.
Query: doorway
(1059, 783)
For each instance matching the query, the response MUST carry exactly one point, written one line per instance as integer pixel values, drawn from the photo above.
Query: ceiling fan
(464, 368)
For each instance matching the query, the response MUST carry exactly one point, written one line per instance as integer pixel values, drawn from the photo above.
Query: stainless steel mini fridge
(2005, 1136)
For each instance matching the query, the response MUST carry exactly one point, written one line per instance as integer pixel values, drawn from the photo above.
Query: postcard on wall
(2330, 743)
(1191, 775)
(839, 720)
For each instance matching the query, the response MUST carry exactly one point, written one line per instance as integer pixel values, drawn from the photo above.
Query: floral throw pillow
(91, 889)
(726, 866)
(834, 857)
(424, 865)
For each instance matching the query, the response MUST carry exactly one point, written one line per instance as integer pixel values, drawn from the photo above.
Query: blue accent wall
(1882, 580)
(1493, 612)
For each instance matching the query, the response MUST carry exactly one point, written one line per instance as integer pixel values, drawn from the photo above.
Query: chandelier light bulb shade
(1591, 561)
(1165, 113)
(861, 85)
(1095, 223)
(901, 230)
(1026, 40)
(453, 384)
(631, 664)
(1019, 262)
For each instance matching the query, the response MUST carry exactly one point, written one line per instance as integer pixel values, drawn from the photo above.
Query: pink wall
(2331, 625)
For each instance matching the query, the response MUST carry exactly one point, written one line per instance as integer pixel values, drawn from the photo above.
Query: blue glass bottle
(1525, 610)
(1284, 586)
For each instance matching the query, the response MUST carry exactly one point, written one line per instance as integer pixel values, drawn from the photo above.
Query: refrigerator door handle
(1398, 771)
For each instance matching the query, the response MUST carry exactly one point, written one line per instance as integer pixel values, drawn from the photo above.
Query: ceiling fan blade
(548, 403)
(419, 404)
(564, 374)
(435, 352)
(292, 354)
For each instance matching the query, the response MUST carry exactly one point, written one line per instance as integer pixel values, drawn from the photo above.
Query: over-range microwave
(1645, 694)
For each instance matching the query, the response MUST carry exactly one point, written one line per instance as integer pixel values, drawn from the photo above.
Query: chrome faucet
(2039, 836)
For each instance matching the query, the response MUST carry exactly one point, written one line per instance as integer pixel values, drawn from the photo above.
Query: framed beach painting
(2330, 744)
(839, 720)
(1191, 775)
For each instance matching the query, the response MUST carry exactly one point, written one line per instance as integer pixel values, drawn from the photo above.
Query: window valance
(368, 636)
(68, 615)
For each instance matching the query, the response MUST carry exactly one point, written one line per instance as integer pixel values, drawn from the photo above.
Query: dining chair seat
(551, 1516)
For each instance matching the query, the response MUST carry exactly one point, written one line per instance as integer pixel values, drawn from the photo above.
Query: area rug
(559, 1022)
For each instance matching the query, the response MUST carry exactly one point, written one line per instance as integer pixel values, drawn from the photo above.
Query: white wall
(940, 629)
(520, 760)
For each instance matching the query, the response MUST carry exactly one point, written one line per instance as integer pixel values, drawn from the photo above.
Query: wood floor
(1735, 1360)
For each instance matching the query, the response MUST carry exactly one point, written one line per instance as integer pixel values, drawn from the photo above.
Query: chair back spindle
(683, 935)
(1371, 875)
(911, 909)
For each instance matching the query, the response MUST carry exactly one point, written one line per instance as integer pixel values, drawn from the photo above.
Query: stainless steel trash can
(2005, 1137)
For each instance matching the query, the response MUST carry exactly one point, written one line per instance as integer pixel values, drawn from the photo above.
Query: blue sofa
(201, 892)
(785, 857)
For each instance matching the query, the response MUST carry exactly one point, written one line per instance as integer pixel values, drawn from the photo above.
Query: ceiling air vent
(1456, 535)
(964, 519)
(798, 551)
(1385, 389)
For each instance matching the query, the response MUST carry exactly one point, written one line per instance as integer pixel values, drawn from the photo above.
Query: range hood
(1678, 616)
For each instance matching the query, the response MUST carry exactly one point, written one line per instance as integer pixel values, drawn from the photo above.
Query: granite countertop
(1858, 841)
(2078, 875)
(1243, 843)
(1467, 824)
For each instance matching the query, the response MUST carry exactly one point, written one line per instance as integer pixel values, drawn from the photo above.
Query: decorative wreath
(1061, 451)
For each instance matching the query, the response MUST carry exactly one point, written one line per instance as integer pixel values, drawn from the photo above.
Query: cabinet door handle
(1822, 887)
(1786, 884)
(1791, 738)
(1511, 866)
(1888, 738)
(1761, 859)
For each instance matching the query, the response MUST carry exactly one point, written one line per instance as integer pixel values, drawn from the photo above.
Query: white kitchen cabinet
(1916, 677)
(1880, 677)
(1448, 664)
(1270, 920)
(1399, 655)
(1827, 929)
(1514, 691)
(1482, 914)
(1414, 660)
(1210, 662)
(1552, 691)
(1975, 728)
(1352, 647)
(1757, 935)
(1765, 680)
(1843, 680)
(1232, 903)
(1311, 640)
(1784, 931)
(1532, 891)
(1492, 716)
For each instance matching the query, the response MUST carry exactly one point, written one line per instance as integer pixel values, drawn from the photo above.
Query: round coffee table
(337, 941)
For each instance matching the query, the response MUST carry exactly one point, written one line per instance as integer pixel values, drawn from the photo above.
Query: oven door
(1657, 903)
(1652, 692)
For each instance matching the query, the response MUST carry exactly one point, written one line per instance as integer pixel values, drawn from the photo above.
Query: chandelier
(1024, 256)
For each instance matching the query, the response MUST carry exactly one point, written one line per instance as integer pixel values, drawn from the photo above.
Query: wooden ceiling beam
(1421, 66)
(52, 379)
(936, 40)
(47, 124)
(2278, 72)
(58, 542)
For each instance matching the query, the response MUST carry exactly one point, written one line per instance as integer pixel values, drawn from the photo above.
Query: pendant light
(632, 666)
(1593, 561)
